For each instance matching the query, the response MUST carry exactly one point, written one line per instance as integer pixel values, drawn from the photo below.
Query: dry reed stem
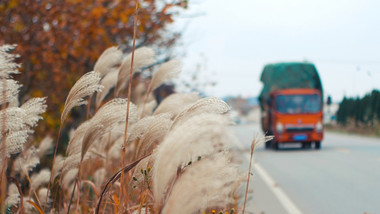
(3, 179)
(114, 178)
(256, 141)
(128, 106)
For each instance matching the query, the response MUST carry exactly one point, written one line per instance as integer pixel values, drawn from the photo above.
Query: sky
(229, 42)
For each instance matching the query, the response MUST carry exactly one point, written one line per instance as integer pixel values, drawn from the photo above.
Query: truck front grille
(299, 129)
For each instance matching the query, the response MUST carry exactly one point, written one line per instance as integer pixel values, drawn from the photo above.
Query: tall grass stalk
(256, 141)
(127, 115)
(3, 179)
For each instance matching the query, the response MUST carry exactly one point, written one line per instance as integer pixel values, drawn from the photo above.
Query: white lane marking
(286, 202)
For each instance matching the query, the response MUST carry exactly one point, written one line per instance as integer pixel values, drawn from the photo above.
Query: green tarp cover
(288, 75)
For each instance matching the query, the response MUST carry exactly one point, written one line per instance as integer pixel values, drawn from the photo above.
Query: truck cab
(295, 115)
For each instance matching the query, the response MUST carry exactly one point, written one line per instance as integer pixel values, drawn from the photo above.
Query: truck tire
(318, 145)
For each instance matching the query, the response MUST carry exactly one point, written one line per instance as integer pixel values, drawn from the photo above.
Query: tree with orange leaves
(60, 40)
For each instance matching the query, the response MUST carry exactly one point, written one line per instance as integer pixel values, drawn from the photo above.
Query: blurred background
(224, 47)
(230, 43)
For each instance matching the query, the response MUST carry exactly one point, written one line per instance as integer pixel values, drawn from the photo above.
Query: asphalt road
(342, 177)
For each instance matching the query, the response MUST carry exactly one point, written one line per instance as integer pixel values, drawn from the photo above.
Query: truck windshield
(296, 104)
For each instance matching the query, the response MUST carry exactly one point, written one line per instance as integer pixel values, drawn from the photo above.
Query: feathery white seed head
(200, 135)
(107, 118)
(109, 60)
(34, 108)
(166, 72)
(108, 82)
(11, 88)
(85, 86)
(26, 161)
(211, 182)
(204, 105)
(69, 178)
(142, 57)
(174, 103)
(40, 179)
(7, 64)
(45, 146)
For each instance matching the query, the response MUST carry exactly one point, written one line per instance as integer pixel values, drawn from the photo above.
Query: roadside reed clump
(178, 153)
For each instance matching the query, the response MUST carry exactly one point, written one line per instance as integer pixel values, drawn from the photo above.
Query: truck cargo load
(292, 104)
(286, 76)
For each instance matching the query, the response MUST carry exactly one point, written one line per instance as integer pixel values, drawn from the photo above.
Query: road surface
(342, 177)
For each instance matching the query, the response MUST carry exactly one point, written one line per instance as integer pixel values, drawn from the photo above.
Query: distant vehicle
(291, 104)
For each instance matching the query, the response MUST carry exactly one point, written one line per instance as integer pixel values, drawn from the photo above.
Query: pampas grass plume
(201, 135)
(204, 105)
(142, 57)
(209, 183)
(7, 64)
(34, 108)
(45, 145)
(105, 119)
(85, 86)
(108, 82)
(39, 179)
(109, 60)
(166, 72)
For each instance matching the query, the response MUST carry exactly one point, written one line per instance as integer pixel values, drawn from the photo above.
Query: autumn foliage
(60, 40)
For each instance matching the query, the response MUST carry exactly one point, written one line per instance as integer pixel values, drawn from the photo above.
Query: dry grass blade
(38, 208)
(114, 178)
(85, 86)
(256, 141)
(109, 60)
(142, 57)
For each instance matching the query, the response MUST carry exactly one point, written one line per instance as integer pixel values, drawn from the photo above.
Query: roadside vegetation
(359, 115)
(126, 157)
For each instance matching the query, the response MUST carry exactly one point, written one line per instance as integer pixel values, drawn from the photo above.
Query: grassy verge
(373, 131)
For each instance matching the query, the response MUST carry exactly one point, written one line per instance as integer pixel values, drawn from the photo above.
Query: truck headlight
(319, 127)
(279, 128)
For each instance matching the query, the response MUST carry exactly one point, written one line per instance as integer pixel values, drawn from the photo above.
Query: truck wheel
(318, 145)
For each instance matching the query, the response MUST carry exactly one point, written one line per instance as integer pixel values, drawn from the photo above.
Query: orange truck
(291, 104)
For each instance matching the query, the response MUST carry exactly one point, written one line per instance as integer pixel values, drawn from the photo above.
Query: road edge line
(284, 199)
